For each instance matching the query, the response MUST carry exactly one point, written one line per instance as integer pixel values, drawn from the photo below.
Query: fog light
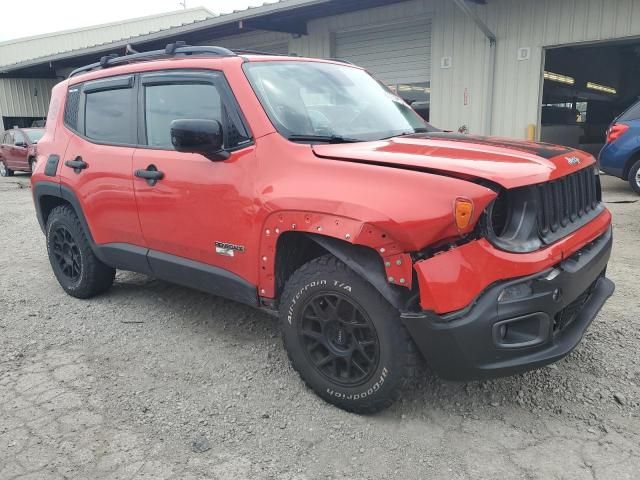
(516, 292)
(503, 331)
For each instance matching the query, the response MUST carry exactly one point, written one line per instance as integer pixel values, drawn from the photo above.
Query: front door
(197, 202)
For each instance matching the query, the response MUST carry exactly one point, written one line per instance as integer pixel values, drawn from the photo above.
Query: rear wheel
(80, 273)
(634, 177)
(344, 339)
(5, 171)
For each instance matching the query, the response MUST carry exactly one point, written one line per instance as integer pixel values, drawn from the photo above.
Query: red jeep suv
(306, 188)
(18, 150)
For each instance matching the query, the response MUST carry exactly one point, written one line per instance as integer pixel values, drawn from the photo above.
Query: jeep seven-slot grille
(567, 200)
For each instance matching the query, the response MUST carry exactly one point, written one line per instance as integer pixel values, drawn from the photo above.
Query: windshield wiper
(322, 138)
(404, 134)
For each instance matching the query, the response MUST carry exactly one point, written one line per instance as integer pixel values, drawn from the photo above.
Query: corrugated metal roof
(269, 7)
(29, 48)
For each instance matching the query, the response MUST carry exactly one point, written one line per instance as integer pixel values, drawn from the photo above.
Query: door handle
(150, 174)
(78, 164)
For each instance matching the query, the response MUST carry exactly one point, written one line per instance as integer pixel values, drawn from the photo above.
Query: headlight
(512, 223)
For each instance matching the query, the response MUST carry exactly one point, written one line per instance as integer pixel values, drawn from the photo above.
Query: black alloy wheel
(66, 253)
(339, 338)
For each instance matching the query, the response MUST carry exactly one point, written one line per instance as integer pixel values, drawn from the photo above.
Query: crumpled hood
(510, 163)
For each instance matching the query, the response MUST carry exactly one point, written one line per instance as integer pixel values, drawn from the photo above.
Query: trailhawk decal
(357, 396)
(315, 283)
(228, 249)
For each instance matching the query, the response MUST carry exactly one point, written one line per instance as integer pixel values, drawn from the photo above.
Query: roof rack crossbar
(171, 50)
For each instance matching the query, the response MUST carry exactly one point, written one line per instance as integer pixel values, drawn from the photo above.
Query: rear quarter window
(72, 108)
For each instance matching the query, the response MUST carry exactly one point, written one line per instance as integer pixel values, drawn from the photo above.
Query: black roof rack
(172, 49)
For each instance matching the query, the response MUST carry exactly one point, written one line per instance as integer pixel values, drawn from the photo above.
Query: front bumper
(495, 338)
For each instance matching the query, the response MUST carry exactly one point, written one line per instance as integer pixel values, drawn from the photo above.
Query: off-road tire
(94, 277)
(397, 355)
(634, 177)
(5, 171)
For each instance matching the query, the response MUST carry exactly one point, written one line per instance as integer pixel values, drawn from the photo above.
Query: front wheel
(344, 339)
(634, 177)
(5, 171)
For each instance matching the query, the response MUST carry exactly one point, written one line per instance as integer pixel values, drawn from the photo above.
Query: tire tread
(99, 276)
(328, 264)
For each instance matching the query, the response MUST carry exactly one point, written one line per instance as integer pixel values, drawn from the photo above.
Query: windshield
(307, 100)
(34, 134)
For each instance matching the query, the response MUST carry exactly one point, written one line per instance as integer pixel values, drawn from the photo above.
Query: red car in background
(18, 150)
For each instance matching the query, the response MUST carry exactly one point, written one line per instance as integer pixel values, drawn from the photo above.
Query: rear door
(97, 165)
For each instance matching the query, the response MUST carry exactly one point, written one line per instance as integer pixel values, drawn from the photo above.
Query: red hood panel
(510, 163)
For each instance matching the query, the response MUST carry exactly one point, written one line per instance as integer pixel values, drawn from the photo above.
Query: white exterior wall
(256, 40)
(25, 97)
(459, 94)
(516, 23)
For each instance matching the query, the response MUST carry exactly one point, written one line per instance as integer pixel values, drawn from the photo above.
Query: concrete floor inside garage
(586, 87)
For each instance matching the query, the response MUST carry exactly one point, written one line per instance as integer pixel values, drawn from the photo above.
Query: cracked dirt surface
(153, 381)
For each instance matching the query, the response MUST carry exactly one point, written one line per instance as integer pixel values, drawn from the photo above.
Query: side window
(167, 102)
(18, 139)
(72, 107)
(6, 139)
(108, 116)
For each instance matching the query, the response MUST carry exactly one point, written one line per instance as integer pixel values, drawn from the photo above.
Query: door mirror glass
(205, 137)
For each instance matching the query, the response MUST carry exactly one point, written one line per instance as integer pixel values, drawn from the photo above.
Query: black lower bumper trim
(493, 338)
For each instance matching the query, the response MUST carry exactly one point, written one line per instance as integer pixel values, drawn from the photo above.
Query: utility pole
(183, 3)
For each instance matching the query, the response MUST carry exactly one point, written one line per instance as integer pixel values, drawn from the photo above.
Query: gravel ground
(156, 381)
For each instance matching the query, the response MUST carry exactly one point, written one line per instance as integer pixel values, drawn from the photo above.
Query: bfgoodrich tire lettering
(80, 273)
(369, 329)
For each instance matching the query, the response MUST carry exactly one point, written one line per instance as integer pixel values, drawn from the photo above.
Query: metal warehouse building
(557, 70)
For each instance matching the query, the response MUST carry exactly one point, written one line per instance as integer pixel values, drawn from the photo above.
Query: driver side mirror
(205, 137)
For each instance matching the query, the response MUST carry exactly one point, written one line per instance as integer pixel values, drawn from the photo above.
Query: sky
(35, 17)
